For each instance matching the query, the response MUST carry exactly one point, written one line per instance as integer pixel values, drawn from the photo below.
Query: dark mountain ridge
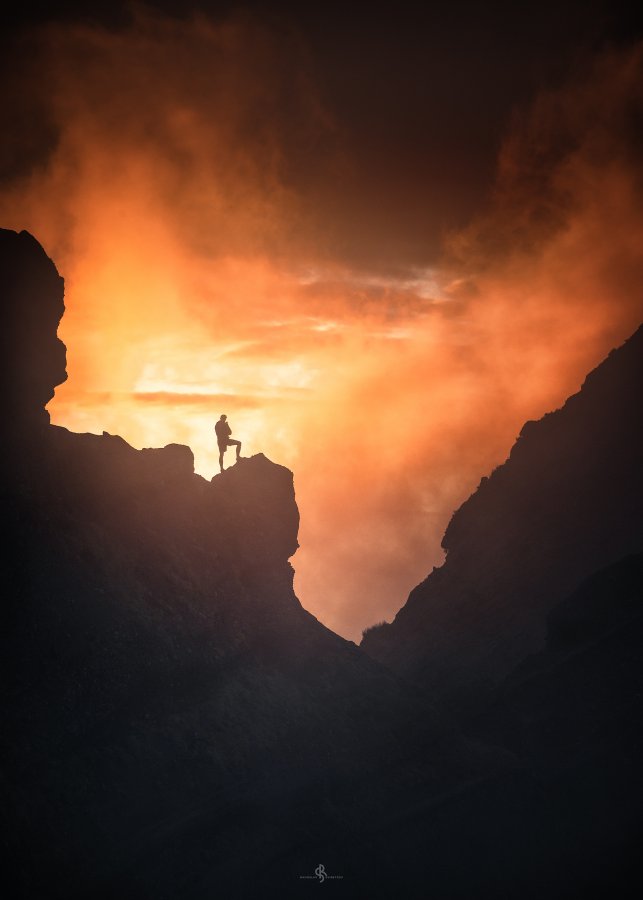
(177, 725)
(174, 720)
(566, 503)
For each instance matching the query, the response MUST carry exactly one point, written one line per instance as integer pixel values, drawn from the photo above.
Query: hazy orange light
(191, 292)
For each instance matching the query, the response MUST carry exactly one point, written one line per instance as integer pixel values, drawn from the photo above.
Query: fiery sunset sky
(379, 246)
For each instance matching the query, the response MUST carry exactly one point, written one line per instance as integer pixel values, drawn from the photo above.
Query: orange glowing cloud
(197, 282)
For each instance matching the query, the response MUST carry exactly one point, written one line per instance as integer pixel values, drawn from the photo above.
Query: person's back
(223, 431)
(224, 440)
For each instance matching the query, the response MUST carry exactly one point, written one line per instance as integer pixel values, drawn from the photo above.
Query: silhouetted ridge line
(568, 500)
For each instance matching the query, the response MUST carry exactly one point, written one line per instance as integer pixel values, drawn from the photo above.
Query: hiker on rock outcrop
(224, 440)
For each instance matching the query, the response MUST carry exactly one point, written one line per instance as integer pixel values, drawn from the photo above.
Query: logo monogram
(321, 874)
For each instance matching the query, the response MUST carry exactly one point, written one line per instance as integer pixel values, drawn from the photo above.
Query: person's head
(223, 416)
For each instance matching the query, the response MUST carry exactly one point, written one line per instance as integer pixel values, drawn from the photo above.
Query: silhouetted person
(224, 440)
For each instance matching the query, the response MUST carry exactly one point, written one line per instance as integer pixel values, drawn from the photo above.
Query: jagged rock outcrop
(567, 502)
(33, 357)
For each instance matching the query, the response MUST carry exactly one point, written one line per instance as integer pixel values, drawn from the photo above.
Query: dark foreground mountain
(567, 503)
(531, 633)
(176, 725)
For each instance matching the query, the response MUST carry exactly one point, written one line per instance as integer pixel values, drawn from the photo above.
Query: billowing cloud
(200, 281)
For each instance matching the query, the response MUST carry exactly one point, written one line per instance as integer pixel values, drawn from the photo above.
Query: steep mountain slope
(567, 502)
(531, 636)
